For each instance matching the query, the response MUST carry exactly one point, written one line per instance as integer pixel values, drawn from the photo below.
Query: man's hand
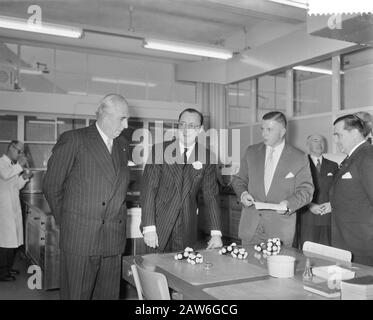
(215, 242)
(27, 174)
(22, 161)
(285, 204)
(151, 239)
(325, 208)
(246, 199)
(315, 208)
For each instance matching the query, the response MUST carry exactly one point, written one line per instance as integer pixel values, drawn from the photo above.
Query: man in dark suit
(169, 188)
(352, 193)
(272, 172)
(316, 218)
(85, 186)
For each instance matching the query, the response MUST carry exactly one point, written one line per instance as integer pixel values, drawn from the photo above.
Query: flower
(197, 165)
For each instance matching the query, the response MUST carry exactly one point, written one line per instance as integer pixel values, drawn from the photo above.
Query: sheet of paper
(269, 206)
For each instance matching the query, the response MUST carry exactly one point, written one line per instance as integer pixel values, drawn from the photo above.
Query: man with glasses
(169, 190)
(13, 177)
(352, 191)
(85, 186)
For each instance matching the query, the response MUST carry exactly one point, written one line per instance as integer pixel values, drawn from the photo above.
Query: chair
(327, 251)
(150, 285)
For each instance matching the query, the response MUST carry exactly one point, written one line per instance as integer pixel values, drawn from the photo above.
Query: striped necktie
(318, 165)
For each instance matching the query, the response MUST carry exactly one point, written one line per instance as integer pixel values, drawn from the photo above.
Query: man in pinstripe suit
(169, 191)
(85, 186)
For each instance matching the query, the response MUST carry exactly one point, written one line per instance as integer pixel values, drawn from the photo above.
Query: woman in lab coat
(12, 179)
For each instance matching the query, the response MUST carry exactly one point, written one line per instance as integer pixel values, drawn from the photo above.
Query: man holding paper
(275, 173)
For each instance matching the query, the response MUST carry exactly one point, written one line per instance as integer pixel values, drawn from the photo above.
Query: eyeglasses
(19, 151)
(184, 125)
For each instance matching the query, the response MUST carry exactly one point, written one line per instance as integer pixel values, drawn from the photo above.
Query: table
(233, 279)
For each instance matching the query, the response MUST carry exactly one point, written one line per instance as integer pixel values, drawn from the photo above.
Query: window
(240, 106)
(313, 89)
(8, 131)
(271, 94)
(357, 79)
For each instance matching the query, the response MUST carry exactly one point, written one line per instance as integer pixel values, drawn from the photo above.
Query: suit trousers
(318, 234)
(89, 277)
(6, 261)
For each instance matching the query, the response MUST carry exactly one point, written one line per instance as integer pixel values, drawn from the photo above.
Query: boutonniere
(197, 165)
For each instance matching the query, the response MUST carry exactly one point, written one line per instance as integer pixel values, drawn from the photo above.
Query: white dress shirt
(269, 170)
(106, 139)
(314, 159)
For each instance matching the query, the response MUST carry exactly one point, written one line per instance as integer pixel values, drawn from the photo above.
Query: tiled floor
(19, 290)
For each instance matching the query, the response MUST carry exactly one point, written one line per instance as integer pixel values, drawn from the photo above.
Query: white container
(281, 266)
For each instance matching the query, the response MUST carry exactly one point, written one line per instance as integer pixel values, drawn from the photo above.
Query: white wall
(35, 102)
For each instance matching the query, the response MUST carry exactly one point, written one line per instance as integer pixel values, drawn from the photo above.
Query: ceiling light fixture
(298, 4)
(178, 47)
(30, 71)
(45, 28)
(315, 70)
(123, 81)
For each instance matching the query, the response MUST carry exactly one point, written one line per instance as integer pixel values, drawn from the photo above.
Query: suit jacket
(85, 187)
(352, 203)
(297, 190)
(169, 191)
(322, 181)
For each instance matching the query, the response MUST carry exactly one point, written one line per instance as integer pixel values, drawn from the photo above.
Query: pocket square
(347, 175)
(329, 174)
(289, 175)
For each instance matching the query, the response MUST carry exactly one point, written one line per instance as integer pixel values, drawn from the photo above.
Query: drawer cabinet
(230, 208)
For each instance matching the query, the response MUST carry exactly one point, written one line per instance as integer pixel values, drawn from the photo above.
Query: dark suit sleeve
(303, 188)
(58, 169)
(148, 191)
(241, 179)
(366, 177)
(210, 191)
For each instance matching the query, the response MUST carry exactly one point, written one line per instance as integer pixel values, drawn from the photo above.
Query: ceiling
(109, 24)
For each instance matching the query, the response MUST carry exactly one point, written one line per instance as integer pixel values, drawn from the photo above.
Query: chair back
(150, 285)
(327, 251)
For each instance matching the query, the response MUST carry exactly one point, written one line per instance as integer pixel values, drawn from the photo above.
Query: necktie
(318, 165)
(109, 144)
(268, 170)
(185, 158)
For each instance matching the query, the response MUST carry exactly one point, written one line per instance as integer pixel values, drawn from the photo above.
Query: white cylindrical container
(280, 266)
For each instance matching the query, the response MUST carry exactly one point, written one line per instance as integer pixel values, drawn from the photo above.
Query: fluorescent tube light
(178, 47)
(30, 71)
(315, 70)
(123, 81)
(298, 4)
(77, 93)
(240, 94)
(45, 28)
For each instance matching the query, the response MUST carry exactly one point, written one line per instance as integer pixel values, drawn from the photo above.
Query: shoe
(7, 278)
(14, 272)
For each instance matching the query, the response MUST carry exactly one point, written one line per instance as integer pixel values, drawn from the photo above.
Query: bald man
(315, 217)
(85, 186)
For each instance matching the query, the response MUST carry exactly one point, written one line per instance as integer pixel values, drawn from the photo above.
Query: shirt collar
(102, 134)
(182, 146)
(314, 159)
(354, 148)
(7, 159)
(278, 148)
